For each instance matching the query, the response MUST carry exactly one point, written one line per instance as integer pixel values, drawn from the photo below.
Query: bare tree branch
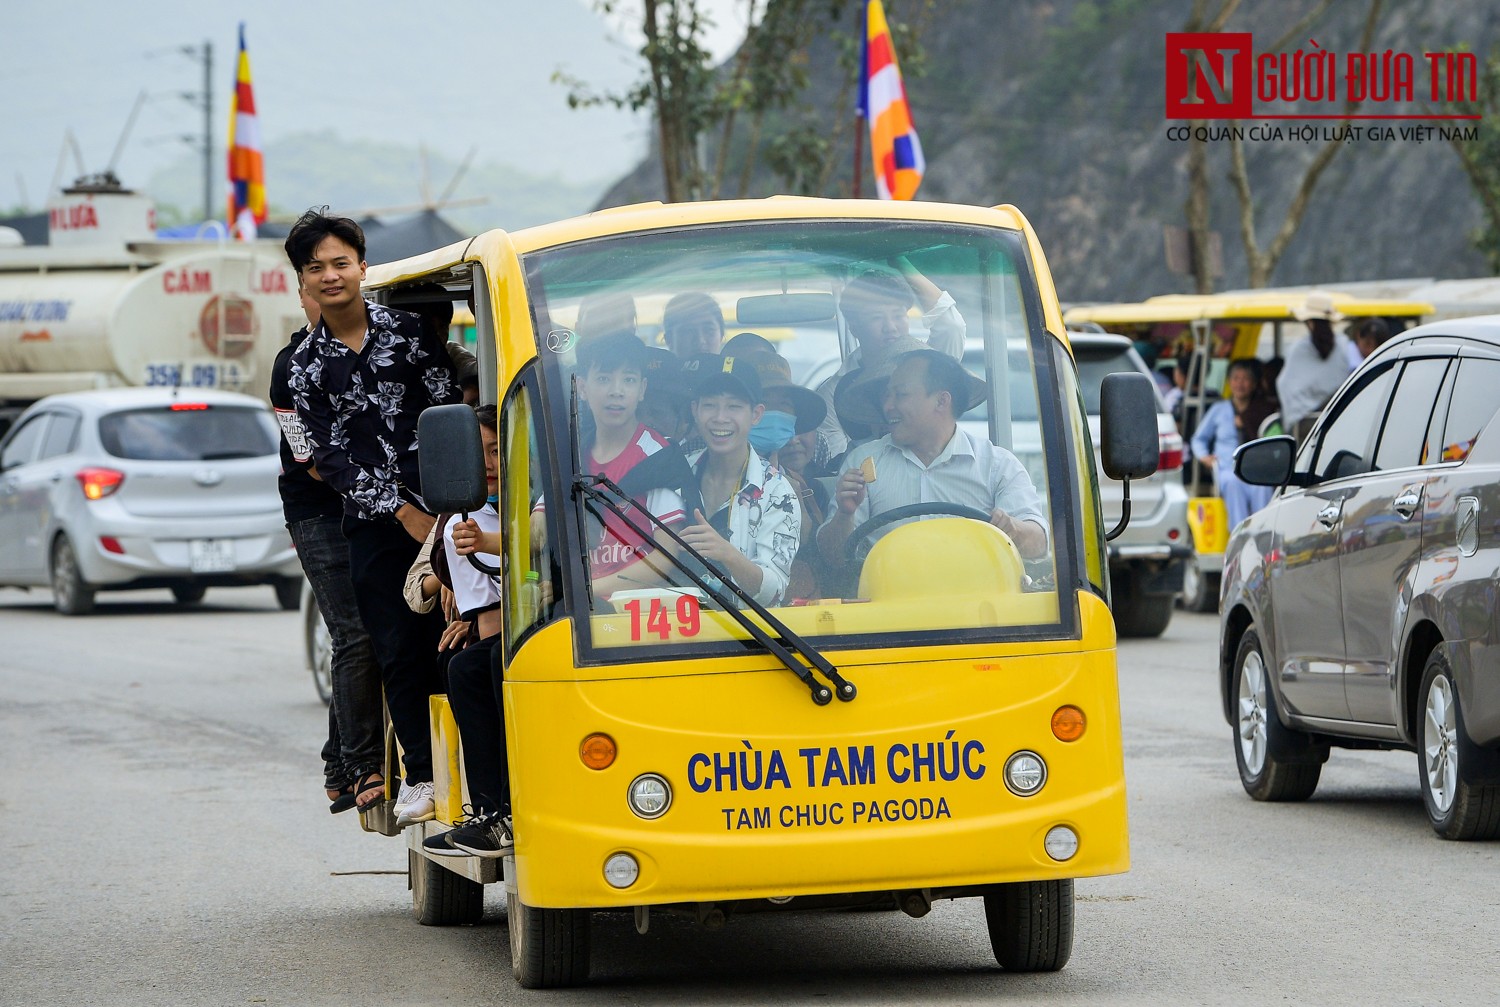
(1301, 26)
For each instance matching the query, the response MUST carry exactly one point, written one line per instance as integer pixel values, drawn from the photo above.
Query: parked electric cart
(943, 723)
(1218, 328)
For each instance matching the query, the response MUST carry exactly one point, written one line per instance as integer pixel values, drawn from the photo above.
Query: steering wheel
(879, 521)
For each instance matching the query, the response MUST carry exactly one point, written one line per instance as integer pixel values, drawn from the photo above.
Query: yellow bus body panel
(1208, 521)
(828, 836)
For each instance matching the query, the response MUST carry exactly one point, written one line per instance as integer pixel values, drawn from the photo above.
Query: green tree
(1480, 157)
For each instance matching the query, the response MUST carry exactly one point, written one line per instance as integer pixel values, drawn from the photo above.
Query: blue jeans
(356, 726)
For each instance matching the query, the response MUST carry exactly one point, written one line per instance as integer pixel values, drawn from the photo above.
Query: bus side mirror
(1266, 462)
(1129, 444)
(451, 457)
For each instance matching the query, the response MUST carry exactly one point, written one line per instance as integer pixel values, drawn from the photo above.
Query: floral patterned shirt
(763, 520)
(360, 408)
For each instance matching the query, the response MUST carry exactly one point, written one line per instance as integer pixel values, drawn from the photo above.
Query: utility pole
(205, 100)
(208, 130)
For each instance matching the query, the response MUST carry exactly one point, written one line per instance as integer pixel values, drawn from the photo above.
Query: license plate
(210, 555)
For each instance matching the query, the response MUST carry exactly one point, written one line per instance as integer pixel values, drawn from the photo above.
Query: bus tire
(1275, 762)
(1136, 614)
(1031, 924)
(549, 948)
(440, 898)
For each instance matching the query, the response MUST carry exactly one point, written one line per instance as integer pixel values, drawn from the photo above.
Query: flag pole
(860, 102)
(859, 154)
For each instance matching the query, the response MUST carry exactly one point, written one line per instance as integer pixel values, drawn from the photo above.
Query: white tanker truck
(106, 305)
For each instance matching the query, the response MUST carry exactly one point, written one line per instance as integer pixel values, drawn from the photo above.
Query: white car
(144, 487)
(1146, 562)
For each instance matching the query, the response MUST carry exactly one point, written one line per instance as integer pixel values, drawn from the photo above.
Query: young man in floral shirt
(360, 379)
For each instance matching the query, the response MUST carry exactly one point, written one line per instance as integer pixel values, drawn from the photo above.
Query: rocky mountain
(1058, 107)
(389, 175)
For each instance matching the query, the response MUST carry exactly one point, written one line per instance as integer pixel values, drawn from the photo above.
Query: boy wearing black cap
(749, 524)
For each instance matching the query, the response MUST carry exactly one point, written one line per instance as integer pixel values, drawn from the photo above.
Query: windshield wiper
(589, 487)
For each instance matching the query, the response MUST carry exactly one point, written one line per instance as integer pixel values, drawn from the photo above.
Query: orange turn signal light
(597, 751)
(1068, 723)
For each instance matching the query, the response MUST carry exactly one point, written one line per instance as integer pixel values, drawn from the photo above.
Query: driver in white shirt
(927, 458)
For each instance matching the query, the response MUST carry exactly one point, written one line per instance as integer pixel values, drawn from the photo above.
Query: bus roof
(500, 251)
(1268, 305)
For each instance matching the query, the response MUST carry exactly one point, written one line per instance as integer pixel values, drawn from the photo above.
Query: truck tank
(207, 318)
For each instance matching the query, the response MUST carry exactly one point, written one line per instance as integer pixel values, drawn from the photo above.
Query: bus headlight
(1061, 843)
(649, 796)
(1025, 772)
(621, 870)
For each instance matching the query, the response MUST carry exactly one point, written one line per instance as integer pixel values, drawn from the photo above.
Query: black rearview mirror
(1129, 444)
(1266, 462)
(451, 458)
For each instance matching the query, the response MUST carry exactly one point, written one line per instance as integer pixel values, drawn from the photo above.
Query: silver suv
(1146, 561)
(1359, 607)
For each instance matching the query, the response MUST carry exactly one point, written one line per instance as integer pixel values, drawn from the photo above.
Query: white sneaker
(414, 803)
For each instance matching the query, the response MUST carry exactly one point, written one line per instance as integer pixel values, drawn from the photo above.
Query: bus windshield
(789, 416)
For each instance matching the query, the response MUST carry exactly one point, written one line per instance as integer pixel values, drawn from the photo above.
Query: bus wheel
(1031, 924)
(440, 898)
(549, 948)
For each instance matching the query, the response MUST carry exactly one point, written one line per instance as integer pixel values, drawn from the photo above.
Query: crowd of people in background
(1271, 397)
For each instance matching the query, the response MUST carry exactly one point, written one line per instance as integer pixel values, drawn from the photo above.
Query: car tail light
(112, 544)
(188, 407)
(1171, 453)
(99, 483)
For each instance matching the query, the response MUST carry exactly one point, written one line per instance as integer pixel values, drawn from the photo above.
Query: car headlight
(649, 796)
(1025, 772)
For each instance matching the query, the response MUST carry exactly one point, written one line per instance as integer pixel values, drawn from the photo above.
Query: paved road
(167, 843)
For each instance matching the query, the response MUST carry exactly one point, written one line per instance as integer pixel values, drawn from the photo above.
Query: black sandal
(344, 801)
(366, 783)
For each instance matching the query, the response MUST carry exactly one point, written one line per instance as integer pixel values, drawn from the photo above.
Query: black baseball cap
(720, 374)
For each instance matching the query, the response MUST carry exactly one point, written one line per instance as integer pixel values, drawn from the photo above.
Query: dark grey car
(1361, 609)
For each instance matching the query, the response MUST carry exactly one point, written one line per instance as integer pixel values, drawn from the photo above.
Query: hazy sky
(472, 72)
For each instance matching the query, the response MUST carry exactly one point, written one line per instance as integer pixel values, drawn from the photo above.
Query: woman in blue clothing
(1228, 424)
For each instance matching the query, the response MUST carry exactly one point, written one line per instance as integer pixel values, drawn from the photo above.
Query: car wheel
(549, 948)
(188, 594)
(319, 644)
(1200, 591)
(1031, 924)
(1136, 614)
(71, 594)
(1275, 762)
(289, 593)
(1458, 805)
(439, 897)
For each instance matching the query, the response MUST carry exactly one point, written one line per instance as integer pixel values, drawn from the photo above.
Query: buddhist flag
(247, 179)
(882, 101)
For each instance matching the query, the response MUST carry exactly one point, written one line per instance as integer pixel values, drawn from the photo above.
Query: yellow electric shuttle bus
(942, 723)
(1218, 328)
